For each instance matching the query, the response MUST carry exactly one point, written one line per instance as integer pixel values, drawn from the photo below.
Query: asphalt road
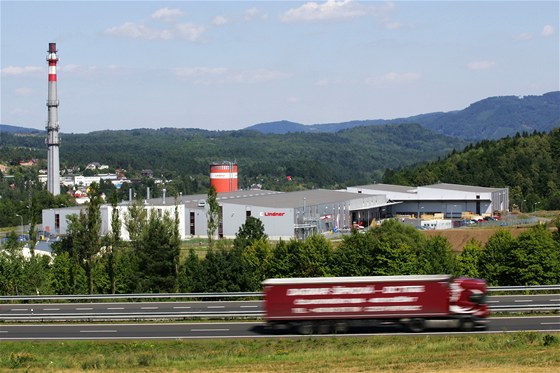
(119, 331)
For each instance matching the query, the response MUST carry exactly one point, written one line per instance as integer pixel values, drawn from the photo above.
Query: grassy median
(497, 353)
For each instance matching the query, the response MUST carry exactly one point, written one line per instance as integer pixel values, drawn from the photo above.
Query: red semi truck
(332, 304)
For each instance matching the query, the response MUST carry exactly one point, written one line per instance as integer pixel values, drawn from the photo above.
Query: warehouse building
(300, 214)
(451, 201)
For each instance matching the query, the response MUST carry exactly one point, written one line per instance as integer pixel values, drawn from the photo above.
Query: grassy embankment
(515, 352)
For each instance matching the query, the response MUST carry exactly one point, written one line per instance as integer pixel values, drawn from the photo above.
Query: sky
(227, 65)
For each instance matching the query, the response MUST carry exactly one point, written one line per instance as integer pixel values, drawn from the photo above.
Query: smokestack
(53, 165)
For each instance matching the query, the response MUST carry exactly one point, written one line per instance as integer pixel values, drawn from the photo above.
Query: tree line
(151, 262)
(527, 163)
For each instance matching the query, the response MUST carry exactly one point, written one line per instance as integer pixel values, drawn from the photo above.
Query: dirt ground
(458, 237)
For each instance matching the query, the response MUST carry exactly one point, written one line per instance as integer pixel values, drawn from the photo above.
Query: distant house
(147, 173)
(93, 166)
(29, 163)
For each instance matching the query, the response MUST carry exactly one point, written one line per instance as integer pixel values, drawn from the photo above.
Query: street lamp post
(535, 206)
(522, 202)
(21, 226)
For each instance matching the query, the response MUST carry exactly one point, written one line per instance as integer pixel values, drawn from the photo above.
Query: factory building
(451, 201)
(300, 214)
(284, 215)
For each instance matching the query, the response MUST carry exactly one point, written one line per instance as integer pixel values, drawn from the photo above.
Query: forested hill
(491, 118)
(326, 160)
(528, 164)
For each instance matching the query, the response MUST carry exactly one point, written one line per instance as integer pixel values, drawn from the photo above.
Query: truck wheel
(467, 324)
(417, 325)
(305, 328)
(325, 328)
(340, 327)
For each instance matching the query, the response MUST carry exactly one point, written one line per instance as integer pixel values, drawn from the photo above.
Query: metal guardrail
(524, 288)
(491, 289)
(132, 296)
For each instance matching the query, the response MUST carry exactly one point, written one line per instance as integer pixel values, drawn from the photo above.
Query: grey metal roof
(192, 200)
(296, 199)
(389, 188)
(463, 188)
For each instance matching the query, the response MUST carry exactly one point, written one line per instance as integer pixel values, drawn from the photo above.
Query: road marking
(181, 308)
(149, 308)
(98, 331)
(209, 330)
(493, 301)
(555, 300)
(51, 309)
(84, 309)
(20, 309)
(249, 306)
(523, 300)
(115, 308)
(216, 307)
(550, 323)
(3, 331)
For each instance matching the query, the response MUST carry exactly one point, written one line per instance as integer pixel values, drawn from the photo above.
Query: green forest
(396, 154)
(153, 262)
(527, 163)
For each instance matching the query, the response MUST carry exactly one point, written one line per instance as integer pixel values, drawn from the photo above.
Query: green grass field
(495, 353)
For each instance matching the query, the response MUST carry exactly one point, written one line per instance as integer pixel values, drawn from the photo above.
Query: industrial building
(300, 214)
(451, 201)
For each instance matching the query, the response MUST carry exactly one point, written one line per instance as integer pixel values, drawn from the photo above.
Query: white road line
(3, 331)
(98, 331)
(115, 308)
(84, 309)
(216, 307)
(181, 308)
(249, 306)
(209, 330)
(149, 308)
(523, 300)
(493, 301)
(550, 323)
(555, 300)
(51, 309)
(19, 309)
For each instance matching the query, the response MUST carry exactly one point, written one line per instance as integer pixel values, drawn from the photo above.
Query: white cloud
(133, 30)
(167, 15)
(400, 77)
(525, 36)
(322, 83)
(195, 72)
(548, 30)
(253, 13)
(329, 10)
(393, 77)
(221, 75)
(185, 31)
(20, 70)
(25, 91)
(481, 65)
(220, 21)
(190, 32)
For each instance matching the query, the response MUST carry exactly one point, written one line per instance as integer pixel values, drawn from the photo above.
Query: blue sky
(223, 65)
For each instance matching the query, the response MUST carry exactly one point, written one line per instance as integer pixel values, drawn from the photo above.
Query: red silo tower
(223, 176)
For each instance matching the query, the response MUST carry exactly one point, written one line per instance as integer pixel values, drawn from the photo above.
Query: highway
(124, 331)
(98, 311)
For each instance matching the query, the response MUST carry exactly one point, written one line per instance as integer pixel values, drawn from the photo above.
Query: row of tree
(528, 164)
(152, 262)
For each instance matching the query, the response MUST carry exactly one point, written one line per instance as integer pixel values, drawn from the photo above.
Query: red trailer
(332, 304)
